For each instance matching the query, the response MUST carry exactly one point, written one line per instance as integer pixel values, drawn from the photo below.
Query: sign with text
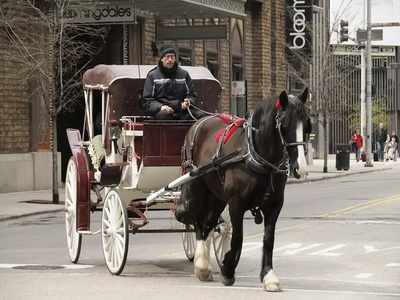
(115, 13)
(298, 24)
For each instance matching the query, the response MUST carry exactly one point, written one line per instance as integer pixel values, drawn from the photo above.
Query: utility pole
(368, 140)
(363, 102)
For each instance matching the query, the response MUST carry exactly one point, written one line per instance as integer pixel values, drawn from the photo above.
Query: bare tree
(330, 76)
(52, 54)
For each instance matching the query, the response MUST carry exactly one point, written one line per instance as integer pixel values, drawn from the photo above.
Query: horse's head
(294, 127)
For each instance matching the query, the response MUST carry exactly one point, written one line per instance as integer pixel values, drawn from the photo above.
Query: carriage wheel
(222, 236)
(74, 239)
(114, 233)
(189, 242)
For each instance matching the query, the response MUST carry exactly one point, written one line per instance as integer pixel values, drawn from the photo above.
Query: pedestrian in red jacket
(357, 143)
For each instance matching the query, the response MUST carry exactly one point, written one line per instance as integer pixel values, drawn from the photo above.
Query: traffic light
(344, 31)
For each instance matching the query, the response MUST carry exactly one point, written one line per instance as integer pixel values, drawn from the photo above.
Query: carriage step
(88, 232)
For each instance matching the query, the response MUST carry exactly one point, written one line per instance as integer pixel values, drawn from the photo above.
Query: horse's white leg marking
(301, 159)
(202, 267)
(271, 282)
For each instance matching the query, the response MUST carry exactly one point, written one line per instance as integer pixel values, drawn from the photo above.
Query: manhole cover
(38, 267)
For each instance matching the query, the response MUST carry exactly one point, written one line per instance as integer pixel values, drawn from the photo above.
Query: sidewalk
(21, 204)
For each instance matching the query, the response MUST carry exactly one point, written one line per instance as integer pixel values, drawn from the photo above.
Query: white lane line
(295, 251)
(363, 275)
(77, 267)
(327, 252)
(71, 267)
(372, 249)
(392, 265)
(251, 246)
(331, 280)
(337, 292)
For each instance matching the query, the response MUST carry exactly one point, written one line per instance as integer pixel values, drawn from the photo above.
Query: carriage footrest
(111, 174)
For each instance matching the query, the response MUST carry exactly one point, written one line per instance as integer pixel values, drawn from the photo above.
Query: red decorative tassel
(278, 104)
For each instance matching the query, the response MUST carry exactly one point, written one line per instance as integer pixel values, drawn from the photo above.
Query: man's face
(168, 60)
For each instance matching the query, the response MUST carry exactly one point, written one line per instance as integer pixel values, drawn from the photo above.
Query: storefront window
(238, 105)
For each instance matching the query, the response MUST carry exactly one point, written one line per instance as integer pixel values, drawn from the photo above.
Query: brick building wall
(263, 61)
(14, 102)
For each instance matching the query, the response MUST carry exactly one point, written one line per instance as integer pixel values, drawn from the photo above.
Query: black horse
(266, 147)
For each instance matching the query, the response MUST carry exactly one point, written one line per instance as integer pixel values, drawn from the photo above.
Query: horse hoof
(271, 282)
(204, 275)
(272, 287)
(227, 281)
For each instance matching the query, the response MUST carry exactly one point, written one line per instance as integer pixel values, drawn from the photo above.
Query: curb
(294, 181)
(9, 218)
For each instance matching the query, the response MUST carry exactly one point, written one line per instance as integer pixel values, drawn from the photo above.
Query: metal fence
(346, 99)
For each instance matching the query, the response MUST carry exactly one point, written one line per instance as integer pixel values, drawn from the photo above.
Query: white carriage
(123, 157)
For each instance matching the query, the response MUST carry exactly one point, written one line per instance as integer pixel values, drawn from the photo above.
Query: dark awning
(193, 8)
(124, 11)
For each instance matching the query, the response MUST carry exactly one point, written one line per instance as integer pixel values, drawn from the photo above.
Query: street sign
(376, 35)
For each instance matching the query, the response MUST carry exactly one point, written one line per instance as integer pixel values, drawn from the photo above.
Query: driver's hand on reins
(185, 104)
(167, 109)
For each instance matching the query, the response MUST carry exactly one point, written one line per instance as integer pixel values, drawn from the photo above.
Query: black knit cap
(165, 50)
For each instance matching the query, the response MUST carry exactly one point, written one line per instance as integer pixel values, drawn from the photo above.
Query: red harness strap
(232, 122)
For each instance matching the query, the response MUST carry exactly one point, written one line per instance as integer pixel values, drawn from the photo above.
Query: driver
(168, 89)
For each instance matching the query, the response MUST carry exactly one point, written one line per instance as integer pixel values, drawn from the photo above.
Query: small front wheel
(114, 233)
(189, 242)
(222, 236)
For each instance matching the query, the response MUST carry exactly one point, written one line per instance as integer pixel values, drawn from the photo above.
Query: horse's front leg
(232, 257)
(202, 267)
(271, 210)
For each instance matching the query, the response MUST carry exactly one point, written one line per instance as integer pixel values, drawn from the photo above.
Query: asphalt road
(336, 239)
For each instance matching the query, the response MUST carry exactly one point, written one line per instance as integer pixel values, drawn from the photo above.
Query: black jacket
(169, 88)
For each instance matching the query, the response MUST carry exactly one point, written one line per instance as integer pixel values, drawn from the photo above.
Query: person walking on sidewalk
(357, 143)
(380, 139)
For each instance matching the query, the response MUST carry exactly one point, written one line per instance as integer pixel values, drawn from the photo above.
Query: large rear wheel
(222, 236)
(74, 239)
(114, 233)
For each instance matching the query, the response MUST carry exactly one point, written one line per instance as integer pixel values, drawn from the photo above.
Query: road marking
(71, 267)
(295, 251)
(392, 265)
(251, 246)
(372, 249)
(363, 275)
(326, 252)
(257, 288)
(360, 206)
(178, 253)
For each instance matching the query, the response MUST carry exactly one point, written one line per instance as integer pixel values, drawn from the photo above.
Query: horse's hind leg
(232, 257)
(271, 213)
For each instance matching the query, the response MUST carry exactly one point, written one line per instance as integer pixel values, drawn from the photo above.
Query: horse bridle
(256, 161)
(278, 120)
